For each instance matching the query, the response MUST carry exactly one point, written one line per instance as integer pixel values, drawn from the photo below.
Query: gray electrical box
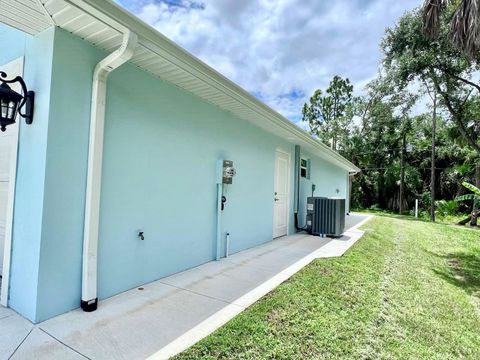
(228, 172)
(325, 216)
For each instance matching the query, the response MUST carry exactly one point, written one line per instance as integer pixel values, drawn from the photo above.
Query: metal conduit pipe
(120, 56)
(296, 191)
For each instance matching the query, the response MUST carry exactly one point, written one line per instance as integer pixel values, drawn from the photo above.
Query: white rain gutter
(94, 175)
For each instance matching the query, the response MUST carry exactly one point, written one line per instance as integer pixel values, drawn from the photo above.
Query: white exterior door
(281, 196)
(8, 159)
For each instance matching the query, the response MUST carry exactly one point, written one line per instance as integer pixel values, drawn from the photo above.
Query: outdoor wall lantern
(12, 102)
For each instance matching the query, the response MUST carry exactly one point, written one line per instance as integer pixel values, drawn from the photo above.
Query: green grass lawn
(422, 216)
(406, 290)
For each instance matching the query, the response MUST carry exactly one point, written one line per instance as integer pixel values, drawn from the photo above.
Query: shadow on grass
(463, 271)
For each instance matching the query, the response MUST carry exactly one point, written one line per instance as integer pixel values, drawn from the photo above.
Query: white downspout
(94, 172)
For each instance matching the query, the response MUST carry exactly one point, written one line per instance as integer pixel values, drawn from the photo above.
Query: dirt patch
(455, 265)
(324, 271)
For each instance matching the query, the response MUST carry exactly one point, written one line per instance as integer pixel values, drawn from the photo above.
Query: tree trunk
(432, 171)
(464, 221)
(381, 198)
(473, 221)
(402, 173)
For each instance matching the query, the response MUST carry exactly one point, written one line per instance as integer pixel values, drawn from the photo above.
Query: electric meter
(228, 172)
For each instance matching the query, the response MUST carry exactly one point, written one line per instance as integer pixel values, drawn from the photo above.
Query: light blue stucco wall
(51, 172)
(161, 148)
(327, 178)
(13, 43)
(29, 195)
(59, 278)
(160, 154)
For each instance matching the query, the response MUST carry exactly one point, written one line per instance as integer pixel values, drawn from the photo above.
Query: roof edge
(120, 19)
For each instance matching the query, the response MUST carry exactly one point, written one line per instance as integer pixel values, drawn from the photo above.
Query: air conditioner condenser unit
(325, 216)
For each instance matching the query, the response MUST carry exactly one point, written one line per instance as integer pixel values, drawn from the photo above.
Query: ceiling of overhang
(34, 16)
(27, 15)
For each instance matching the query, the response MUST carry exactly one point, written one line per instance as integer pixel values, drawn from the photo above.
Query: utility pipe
(227, 246)
(94, 172)
(218, 238)
(296, 186)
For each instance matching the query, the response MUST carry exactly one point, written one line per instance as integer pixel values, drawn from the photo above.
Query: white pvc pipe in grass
(227, 245)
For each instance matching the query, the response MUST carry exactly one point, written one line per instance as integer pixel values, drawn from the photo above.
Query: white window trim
(307, 167)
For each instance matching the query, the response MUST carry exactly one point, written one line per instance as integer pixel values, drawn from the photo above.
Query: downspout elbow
(116, 58)
(94, 169)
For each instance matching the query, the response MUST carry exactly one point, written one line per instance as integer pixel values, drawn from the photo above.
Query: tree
(378, 143)
(411, 57)
(465, 35)
(330, 115)
(404, 158)
(432, 93)
(464, 24)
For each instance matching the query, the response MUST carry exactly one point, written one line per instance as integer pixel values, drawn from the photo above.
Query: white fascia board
(120, 19)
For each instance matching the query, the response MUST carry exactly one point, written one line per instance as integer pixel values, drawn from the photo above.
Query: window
(304, 168)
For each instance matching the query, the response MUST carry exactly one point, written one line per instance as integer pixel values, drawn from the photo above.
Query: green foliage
(446, 208)
(464, 24)
(475, 197)
(411, 58)
(426, 200)
(466, 197)
(412, 67)
(472, 188)
(330, 114)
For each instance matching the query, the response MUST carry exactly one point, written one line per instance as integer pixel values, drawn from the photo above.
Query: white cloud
(280, 51)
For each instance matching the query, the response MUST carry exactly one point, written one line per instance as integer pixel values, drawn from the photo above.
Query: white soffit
(26, 15)
(101, 23)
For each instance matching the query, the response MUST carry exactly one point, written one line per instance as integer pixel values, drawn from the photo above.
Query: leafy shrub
(446, 208)
(475, 196)
(426, 201)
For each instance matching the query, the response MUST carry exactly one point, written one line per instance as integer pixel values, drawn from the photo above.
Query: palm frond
(431, 14)
(472, 188)
(466, 197)
(465, 27)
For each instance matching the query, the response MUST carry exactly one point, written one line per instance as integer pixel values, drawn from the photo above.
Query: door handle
(276, 199)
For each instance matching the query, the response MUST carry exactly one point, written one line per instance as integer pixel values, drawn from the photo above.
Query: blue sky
(279, 50)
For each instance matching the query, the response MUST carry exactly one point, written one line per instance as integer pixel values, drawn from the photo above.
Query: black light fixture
(12, 102)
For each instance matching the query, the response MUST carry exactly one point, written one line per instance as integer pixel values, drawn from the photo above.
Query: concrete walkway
(165, 317)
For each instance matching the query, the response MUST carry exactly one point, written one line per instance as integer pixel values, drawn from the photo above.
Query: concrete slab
(338, 247)
(173, 313)
(355, 219)
(231, 278)
(13, 331)
(216, 279)
(133, 324)
(5, 312)
(41, 346)
(279, 254)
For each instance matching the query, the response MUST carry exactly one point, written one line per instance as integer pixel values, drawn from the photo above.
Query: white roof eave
(170, 62)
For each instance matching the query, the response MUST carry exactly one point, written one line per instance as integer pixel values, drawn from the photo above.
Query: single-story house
(133, 143)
